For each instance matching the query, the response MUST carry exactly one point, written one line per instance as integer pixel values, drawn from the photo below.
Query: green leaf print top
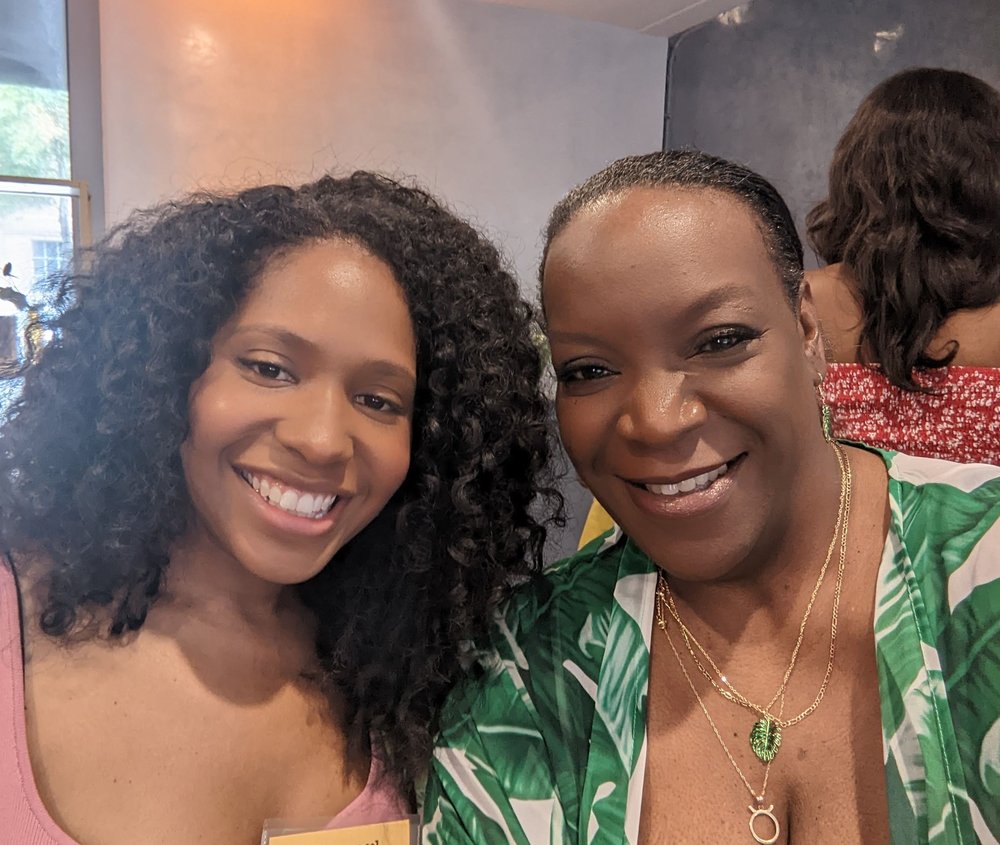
(550, 747)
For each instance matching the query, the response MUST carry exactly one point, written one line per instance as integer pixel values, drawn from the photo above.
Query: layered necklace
(765, 734)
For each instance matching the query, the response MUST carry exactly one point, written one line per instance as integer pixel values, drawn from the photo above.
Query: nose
(317, 424)
(660, 409)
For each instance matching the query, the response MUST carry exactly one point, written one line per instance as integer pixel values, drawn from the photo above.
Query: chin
(695, 559)
(286, 569)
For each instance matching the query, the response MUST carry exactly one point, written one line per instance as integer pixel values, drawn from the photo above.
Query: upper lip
(324, 488)
(680, 476)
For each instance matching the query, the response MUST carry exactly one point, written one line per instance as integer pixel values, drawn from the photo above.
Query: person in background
(909, 299)
(790, 639)
(270, 476)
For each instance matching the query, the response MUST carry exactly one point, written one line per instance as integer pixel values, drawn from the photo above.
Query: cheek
(394, 459)
(212, 413)
(580, 423)
(208, 435)
(189, 462)
(767, 384)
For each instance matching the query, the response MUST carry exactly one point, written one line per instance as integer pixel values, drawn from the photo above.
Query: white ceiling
(656, 17)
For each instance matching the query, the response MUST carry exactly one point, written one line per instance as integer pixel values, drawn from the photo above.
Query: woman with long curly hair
(910, 297)
(281, 458)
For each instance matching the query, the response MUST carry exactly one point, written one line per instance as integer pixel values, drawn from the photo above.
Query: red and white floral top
(958, 420)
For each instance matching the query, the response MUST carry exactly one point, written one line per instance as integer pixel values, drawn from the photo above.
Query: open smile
(278, 494)
(688, 484)
(691, 482)
(688, 494)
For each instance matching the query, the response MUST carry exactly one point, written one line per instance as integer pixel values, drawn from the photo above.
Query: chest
(826, 783)
(150, 753)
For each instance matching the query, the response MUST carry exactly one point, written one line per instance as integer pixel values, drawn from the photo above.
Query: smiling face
(300, 425)
(686, 396)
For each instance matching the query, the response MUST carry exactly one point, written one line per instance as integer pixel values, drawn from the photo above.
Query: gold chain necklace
(756, 808)
(765, 736)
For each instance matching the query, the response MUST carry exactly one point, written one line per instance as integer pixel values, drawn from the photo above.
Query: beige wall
(500, 110)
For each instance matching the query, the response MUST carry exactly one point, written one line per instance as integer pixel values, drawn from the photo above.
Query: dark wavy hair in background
(914, 212)
(694, 170)
(90, 470)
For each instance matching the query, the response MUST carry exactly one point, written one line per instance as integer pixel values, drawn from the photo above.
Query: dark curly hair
(914, 212)
(90, 470)
(694, 169)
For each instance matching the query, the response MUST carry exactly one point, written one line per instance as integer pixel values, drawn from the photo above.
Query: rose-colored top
(24, 819)
(958, 421)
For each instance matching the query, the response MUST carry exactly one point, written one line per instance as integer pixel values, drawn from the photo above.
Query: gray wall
(500, 110)
(775, 86)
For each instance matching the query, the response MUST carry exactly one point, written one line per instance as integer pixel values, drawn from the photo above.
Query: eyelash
(387, 406)
(582, 372)
(369, 401)
(256, 366)
(725, 340)
(738, 335)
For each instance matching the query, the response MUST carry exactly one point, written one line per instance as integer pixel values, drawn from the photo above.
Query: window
(42, 211)
(46, 258)
(44, 214)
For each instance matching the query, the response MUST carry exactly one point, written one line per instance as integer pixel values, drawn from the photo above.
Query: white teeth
(310, 505)
(305, 505)
(688, 485)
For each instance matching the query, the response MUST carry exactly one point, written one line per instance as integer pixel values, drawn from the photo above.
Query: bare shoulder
(31, 564)
(30, 567)
(839, 314)
(977, 333)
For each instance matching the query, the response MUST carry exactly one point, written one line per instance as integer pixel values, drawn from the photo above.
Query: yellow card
(383, 833)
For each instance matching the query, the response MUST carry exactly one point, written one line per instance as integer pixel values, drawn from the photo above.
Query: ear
(811, 332)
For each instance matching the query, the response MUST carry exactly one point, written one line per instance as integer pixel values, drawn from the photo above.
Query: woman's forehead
(675, 226)
(664, 249)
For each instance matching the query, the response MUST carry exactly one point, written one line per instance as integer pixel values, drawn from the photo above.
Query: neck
(767, 593)
(206, 582)
(246, 638)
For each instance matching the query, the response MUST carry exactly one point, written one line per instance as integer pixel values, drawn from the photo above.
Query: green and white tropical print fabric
(550, 746)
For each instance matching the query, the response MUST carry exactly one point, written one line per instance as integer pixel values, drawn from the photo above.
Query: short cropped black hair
(698, 170)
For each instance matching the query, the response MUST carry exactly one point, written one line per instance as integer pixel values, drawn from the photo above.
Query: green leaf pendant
(765, 739)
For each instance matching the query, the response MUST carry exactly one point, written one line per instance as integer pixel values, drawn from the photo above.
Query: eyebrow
(277, 332)
(388, 368)
(718, 297)
(706, 302)
(283, 335)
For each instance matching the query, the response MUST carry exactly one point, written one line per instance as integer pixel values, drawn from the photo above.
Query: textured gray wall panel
(775, 90)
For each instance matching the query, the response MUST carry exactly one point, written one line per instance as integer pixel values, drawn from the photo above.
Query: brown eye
(586, 372)
(267, 370)
(374, 402)
(729, 339)
(726, 341)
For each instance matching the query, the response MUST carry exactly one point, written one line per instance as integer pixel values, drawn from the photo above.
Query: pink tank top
(24, 819)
